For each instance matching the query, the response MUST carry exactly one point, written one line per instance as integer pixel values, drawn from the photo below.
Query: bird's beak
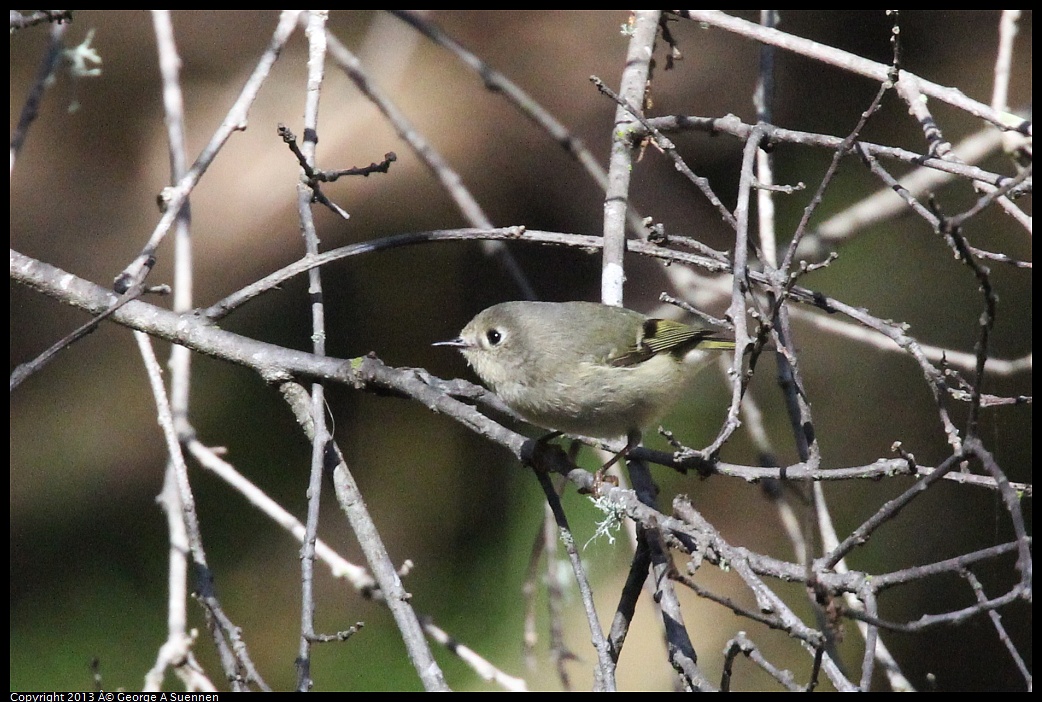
(458, 343)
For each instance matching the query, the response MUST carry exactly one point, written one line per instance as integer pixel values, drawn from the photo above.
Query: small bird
(583, 367)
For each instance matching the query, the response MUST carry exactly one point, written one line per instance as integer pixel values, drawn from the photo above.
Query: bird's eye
(494, 336)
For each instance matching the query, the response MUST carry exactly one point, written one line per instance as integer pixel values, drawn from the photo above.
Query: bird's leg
(532, 446)
(545, 438)
(632, 442)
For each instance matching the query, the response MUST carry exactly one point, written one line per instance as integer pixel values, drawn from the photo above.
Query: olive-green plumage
(583, 367)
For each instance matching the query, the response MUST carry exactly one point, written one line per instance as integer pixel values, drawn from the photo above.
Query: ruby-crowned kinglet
(583, 367)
